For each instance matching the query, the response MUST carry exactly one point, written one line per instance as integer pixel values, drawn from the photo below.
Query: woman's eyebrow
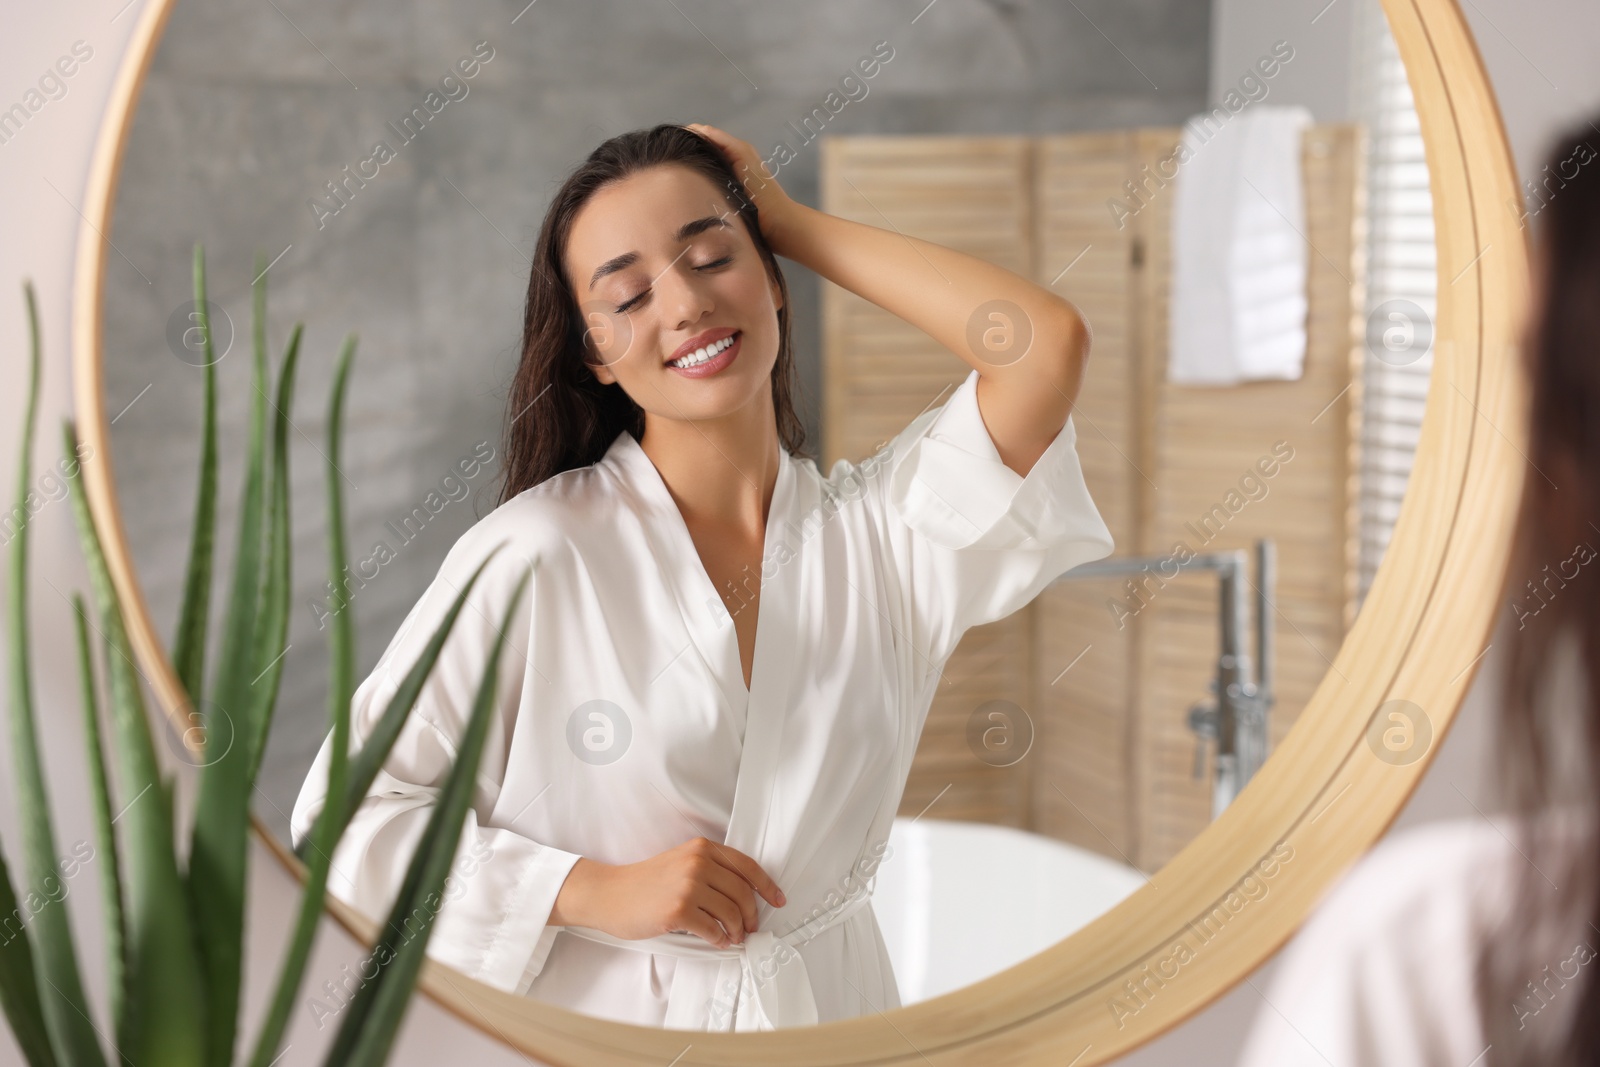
(628, 259)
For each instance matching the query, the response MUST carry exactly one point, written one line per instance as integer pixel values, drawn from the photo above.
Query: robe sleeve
(491, 921)
(969, 539)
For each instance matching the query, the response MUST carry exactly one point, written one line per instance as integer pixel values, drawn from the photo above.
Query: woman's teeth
(703, 354)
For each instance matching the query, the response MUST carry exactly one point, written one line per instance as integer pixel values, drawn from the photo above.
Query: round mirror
(1119, 783)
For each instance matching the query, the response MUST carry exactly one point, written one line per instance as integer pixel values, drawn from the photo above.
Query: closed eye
(625, 308)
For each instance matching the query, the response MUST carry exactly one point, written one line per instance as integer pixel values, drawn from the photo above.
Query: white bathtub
(960, 901)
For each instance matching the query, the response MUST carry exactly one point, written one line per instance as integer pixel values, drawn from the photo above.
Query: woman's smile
(713, 358)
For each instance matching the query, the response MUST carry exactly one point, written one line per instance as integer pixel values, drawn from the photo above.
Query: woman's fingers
(750, 871)
(715, 891)
(758, 181)
(710, 133)
(732, 148)
(740, 154)
(718, 917)
(704, 925)
(733, 885)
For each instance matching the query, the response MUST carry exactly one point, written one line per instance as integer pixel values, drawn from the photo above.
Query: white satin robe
(870, 578)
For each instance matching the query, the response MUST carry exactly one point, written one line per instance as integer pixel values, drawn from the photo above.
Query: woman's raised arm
(1028, 344)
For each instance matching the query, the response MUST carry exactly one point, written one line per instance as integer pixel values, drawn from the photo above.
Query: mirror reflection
(839, 680)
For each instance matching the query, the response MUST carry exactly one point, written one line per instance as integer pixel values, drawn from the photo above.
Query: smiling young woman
(664, 761)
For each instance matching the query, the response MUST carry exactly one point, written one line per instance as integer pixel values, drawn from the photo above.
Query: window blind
(1402, 285)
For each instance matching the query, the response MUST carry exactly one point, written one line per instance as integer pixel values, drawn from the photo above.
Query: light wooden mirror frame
(1321, 800)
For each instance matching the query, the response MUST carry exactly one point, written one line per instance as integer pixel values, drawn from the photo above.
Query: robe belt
(766, 964)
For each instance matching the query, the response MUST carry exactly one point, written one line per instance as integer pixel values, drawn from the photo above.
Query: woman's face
(661, 260)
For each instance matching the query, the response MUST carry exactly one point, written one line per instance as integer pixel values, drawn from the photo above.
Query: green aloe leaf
(164, 988)
(105, 838)
(273, 627)
(19, 982)
(341, 689)
(66, 1009)
(374, 1015)
(364, 765)
(189, 648)
(221, 831)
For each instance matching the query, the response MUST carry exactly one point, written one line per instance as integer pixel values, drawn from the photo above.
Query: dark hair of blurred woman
(1535, 978)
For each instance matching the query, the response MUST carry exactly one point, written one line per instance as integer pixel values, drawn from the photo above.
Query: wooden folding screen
(1105, 692)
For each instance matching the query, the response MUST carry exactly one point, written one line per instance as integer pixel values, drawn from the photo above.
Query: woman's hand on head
(773, 205)
(700, 887)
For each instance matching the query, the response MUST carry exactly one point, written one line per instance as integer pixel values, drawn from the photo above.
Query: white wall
(1318, 77)
(1541, 65)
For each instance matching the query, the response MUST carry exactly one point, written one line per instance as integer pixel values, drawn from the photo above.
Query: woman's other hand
(700, 887)
(773, 205)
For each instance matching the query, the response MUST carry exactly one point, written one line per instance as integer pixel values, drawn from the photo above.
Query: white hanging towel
(1238, 303)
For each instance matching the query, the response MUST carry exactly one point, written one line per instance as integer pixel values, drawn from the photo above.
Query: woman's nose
(687, 294)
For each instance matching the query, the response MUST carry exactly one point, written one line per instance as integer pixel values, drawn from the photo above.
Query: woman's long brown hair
(1535, 971)
(558, 415)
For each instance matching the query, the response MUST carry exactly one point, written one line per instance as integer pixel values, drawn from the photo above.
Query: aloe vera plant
(174, 932)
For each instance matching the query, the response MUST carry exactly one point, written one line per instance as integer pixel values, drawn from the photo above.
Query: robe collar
(710, 628)
(760, 995)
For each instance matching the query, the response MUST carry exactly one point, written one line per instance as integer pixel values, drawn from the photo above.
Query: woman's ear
(600, 370)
